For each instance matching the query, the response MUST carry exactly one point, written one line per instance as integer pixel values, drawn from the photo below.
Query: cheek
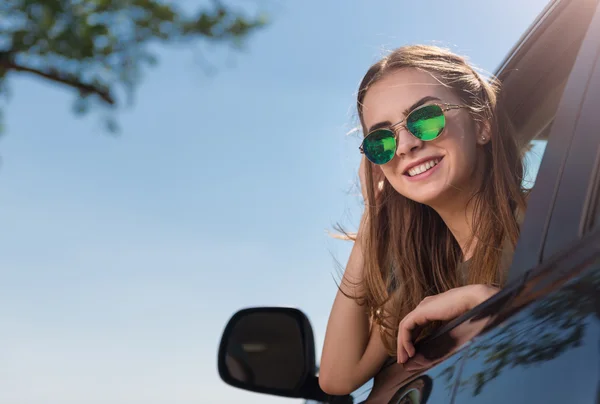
(461, 147)
(389, 172)
(461, 166)
(394, 177)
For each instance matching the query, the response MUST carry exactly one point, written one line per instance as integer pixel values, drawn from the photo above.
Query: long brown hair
(409, 252)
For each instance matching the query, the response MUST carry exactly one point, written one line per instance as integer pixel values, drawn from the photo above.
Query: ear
(484, 133)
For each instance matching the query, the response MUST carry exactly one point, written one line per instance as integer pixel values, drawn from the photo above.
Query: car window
(534, 79)
(545, 85)
(574, 197)
(532, 160)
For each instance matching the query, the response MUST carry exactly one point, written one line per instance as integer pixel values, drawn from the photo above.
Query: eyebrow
(386, 124)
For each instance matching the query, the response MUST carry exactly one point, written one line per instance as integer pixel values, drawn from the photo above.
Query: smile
(424, 167)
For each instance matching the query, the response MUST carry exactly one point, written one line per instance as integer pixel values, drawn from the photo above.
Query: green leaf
(101, 46)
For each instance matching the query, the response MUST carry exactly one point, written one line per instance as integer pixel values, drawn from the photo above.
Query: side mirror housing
(270, 350)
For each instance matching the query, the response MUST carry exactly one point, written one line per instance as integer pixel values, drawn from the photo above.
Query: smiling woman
(443, 218)
(459, 152)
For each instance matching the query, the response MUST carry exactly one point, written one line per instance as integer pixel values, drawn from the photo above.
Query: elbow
(334, 385)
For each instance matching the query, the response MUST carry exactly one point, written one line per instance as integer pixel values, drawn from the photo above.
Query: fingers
(407, 325)
(405, 346)
(418, 317)
(402, 355)
(442, 307)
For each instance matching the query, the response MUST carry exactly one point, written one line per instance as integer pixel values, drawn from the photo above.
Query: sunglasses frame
(393, 128)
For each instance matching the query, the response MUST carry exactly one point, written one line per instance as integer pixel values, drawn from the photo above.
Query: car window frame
(552, 181)
(575, 200)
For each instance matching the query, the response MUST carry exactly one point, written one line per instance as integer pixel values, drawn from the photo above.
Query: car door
(544, 346)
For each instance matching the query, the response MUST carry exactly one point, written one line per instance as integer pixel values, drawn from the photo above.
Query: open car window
(575, 195)
(577, 212)
(543, 90)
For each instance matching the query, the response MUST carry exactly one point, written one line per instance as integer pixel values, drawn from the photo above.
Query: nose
(407, 143)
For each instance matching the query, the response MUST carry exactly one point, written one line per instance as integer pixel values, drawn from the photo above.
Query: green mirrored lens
(379, 146)
(426, 123)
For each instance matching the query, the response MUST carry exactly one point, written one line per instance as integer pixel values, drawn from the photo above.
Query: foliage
(99, 47)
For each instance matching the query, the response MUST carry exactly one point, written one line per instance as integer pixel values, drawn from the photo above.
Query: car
(538, 339)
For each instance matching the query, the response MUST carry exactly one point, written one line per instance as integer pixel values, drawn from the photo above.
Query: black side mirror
(270, 350)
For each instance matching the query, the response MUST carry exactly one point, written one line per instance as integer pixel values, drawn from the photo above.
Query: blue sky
(123, 258)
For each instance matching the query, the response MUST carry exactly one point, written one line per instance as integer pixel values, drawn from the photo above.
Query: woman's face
(457, 150)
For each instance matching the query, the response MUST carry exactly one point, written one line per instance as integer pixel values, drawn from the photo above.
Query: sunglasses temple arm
(448, 107)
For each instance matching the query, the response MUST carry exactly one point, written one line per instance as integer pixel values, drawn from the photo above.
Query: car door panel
(547, 353)
(396, 383)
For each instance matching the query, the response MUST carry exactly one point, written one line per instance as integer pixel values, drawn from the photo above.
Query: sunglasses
(426, 123)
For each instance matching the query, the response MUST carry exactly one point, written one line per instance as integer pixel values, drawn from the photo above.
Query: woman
(441, 180)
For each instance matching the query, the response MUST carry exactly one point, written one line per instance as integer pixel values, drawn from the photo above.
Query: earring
(483, 138)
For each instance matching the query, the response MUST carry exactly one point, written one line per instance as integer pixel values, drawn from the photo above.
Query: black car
(538, 340)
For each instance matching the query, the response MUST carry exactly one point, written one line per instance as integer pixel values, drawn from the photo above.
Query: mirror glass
(266, 349)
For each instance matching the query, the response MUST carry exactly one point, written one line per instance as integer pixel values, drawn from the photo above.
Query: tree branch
(55, 76)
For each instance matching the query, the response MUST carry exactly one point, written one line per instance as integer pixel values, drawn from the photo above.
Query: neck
(456, 210)
(459, 219)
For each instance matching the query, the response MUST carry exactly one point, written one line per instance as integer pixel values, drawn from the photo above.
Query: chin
(425, 201)
(429, 197)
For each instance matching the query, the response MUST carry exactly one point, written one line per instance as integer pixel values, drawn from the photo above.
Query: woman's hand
(442, 307)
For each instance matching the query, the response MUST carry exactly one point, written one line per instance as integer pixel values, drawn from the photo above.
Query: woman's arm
(445, 306)
(353, 351)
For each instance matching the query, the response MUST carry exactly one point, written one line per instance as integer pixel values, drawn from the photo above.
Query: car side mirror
(270, 350)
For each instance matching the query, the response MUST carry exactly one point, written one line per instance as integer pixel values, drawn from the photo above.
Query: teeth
(423, 167)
